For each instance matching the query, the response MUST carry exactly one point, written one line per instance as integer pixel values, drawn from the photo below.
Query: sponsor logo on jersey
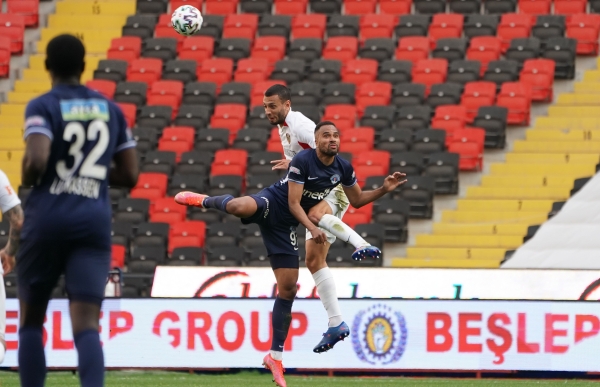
(35, 121)
(84, 109)
(266, 213)
(335, 179)
(379, 335)
(316, 195)
(295, 170)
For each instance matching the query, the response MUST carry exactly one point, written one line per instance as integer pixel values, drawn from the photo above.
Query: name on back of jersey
(76, 185)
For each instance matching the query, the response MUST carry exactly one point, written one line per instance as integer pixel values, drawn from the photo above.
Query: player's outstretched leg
(243, 207)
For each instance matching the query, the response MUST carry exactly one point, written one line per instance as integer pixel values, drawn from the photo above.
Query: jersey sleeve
(8, 196)
(124, 137)
(37, 120)
(349, 178)
(297, 170)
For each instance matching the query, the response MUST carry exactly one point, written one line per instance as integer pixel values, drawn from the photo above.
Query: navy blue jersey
(71, 200)
(318, 179)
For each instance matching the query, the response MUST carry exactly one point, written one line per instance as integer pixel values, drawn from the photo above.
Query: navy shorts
(278, 228)
(41, 262)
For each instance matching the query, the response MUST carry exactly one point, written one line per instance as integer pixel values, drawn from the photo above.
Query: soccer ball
(186, 20)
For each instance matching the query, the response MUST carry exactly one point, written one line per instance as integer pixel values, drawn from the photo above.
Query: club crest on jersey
(335, 179)
(289, 138)
(381, 335)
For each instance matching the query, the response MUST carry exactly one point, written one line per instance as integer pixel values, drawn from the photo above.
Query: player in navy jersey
(72, 134)
(278, 210)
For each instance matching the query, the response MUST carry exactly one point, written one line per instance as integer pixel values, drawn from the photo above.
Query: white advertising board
(385, 334)
(188, 282)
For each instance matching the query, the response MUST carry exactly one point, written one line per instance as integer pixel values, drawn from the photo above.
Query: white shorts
(339, 204)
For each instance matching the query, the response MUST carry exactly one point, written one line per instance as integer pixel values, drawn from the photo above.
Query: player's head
(327, 138)
(65, 56)
(277, 104)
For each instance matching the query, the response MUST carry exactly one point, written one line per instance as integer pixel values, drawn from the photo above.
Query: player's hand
(393, 181)
(280, 164)
(318, 236)
(8, 262)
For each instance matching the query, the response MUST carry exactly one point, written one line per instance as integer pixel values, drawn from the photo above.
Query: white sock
(342, 231)
(328, 294)
(277, 355)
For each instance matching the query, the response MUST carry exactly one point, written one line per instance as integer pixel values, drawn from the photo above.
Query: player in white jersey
(297, 133)
(10, 206)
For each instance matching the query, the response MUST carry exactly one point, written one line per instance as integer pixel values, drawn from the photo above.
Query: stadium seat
(480, 25)
(187, 234)
(159, 162)
(563, 52)
(4, 57)
(373, 93)
(484, 49)
(535, 7)
(377, 26)
(395, 71)
(216, 70)
(357, 140)
(271, 48)
(325, 71)
(290, 7)
(185, 178)
(500, 71)
(186, 256)
(102, 86)
(309, 26)
(198, 48)
(164, 29)
(275, 25)
(393, 215)
(468, 143)
(359, 71)
(113, 70)
(342, 48)
(429, 141)
(443, 168)
(548, 26)
(344, 116)
(252, 70)
(220, 7)
(229, 116)
(211, 140)
(450, 49)
(394, 140)
(512, 26)
(240, 26)
(290, 71)
(161, 48)
(150, 186)
(449, 118)
(584, 28)
(233, 48)
(129, 111)
(539, 73)
(356, 216)
(26, 8)
(395, 7)
(306, 49)
(212, 26)
(126, 48)
(465, 7)
(256, 6)
(168, 93)
(251, 140)
(413, 117)
(445, 26)
(375, 157)
(429, 72)
(225, 256)
(413, 48)
(418, 191)
(196, 116)
(141, 26)
(132, 211)
(147, 70)
(522, 49)
(516, 97)
(570, 7)
(412, 25)
(181, 70)
(13, 27)
(343, 25)
(477, 94)
(430, 6)
(235, 92)
(463, 71)
(157, 116)
(379, 49)
(444, 94)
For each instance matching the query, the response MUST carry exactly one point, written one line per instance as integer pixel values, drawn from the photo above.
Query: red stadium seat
(395, 7)
(233, 170)
(178, 139)
(229, 116)
(13, 27)
(516, 97)
(4, 57)
(377, 26)
(178, 3)
(445, 26)
(166, 217)
(168, 205)
(275, 146)
(258, 91)
(344, 116)
(178, 147)
(359, 7)
(103, 86)
(130, 113)
(569, 7)
(187, 234)
(449, 118)
(164, 29)
(342, 48)
(484, 49)
(429, 72)
(468, 143)
(357, 140)
(29, 9)
(198, 48)
(170, 91)
(240, 26)
(477, 94)
(355, 216)
(220, 7)
(290, 7)
(309, 26)
(147, 70)
(269, 47)
(230, 162)
(413, 48)
(359, 71)
(117, 256)
(535, 7)
(376, 157)
(155, 183)
(217, 70)
(373, 93)
(365, 171)
(126, 48)
(539, 74)
(474, 135)
(585, 29)
(512, 26)
(252, 70)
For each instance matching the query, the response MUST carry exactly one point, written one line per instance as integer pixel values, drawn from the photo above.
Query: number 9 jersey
(71, 200)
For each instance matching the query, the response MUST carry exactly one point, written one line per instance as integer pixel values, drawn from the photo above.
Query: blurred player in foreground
(10, 206)
(278, 209)
(72, 134)
(297, 133)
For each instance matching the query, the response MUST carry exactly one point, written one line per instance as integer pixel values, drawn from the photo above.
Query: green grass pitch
(251, 379)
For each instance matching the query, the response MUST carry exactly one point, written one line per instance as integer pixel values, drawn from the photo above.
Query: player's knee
(314, 218)
(288, 291)
(313, 261)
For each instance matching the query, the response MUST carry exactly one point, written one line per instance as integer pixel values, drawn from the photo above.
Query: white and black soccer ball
(186, 20)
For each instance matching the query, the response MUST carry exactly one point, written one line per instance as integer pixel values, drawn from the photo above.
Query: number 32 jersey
(71, 201)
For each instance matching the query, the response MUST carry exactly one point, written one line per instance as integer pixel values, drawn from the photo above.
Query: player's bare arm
(37, 152)
(359, 198)
(294, 197)
(126, 170)
(7, 254)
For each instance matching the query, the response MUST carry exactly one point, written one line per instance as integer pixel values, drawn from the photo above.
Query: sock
(32, 360)
(91, 359)
(328, 294)
(217, 202)
(342, 230)
(280, 321)
(276, 355)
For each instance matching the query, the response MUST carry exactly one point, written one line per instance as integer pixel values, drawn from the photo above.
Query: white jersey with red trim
(297, 133)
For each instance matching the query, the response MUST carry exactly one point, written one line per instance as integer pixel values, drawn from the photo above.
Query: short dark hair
(324, 123)
(279, 90)
(65, 56)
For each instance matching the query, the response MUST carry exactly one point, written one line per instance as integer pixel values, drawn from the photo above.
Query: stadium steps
(517, 188)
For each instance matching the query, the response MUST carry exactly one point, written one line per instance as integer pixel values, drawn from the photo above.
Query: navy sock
(32, 360)
(91, 359)
(217, 202)
(281, 320)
